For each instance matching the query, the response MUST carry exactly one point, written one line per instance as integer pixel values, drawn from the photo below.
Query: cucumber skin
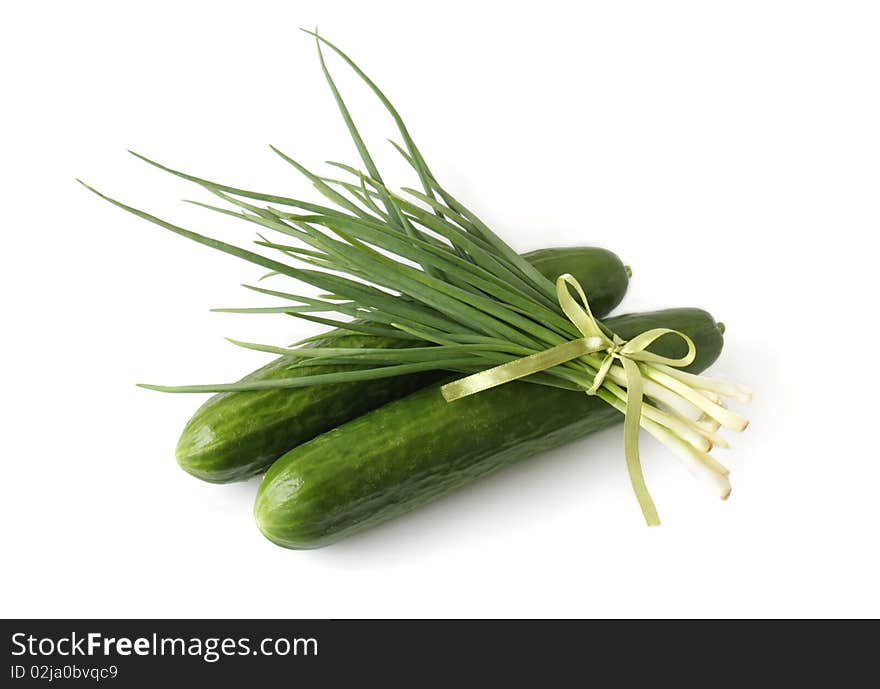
(583, 262)
(236, 435)
(413, 450)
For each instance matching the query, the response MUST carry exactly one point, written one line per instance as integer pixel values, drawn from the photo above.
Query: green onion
(421, 265)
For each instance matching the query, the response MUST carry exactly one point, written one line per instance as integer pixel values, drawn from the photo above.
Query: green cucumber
(584, 262)
(410, 451)
(236, 435)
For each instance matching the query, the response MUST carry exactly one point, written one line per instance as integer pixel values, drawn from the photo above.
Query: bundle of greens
(419, 267)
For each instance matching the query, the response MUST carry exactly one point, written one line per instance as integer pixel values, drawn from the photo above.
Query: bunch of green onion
(419, 265)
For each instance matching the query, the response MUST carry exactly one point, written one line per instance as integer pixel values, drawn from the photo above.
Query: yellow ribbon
(594, 340)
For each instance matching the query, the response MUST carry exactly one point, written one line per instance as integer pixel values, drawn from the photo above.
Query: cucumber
(236, 435)
(584, 262)
(410, 451)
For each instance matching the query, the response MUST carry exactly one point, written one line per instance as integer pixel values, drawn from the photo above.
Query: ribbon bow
(594, 340)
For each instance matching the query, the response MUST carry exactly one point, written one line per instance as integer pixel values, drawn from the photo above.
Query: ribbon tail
(518, 368)
(631, 427)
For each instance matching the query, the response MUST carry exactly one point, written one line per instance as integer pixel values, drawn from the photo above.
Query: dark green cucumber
(236, 435)
(412, 450)
(584, 263)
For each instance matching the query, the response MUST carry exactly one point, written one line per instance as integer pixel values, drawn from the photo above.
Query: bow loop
(579, 314)
(636, 348)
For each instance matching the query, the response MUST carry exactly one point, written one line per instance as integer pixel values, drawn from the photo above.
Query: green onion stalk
(417, 264)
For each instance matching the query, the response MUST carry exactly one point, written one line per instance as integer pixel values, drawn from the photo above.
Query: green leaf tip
(90, 188)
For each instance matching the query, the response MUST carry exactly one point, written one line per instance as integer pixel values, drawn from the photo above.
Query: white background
(727, 151)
